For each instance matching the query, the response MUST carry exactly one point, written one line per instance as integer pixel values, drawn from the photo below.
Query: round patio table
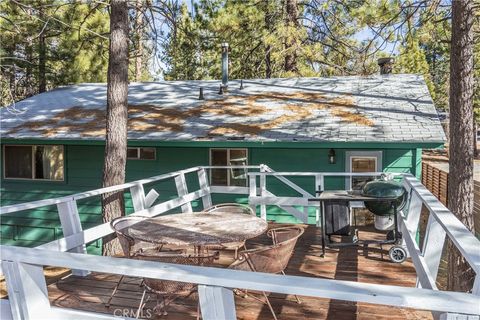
(198, 229)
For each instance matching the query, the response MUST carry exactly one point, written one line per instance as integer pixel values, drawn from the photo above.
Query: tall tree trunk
(139, 44)
(29, 73)
(460, 182)
(268, 48)
(116, 122)
(12, 72)
(42, 51)
(290, 44)
(13, 82)
(268, 62)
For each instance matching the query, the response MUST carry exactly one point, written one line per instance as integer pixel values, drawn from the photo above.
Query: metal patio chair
(168, 291)
(270, 259)
(232, 208)
(129, 245)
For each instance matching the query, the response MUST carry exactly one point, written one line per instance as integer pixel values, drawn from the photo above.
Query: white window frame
(228, 161)
(377, 155)
(32, 146)
(138, 153)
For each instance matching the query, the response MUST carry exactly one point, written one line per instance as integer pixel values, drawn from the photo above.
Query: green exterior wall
(83, 171)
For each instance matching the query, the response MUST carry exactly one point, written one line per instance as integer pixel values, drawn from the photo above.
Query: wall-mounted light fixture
(331, 156)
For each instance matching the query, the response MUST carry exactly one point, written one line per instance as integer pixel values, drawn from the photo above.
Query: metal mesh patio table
(198, 229)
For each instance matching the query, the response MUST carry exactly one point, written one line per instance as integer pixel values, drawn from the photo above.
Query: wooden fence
(436, 180)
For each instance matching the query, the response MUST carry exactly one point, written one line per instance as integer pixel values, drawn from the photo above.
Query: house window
(231, 176)
(141, 153)
(33, 162)
(362, 161)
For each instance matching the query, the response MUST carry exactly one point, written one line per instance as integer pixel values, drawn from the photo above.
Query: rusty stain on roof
(93, 122)
(300, 106)
(352, 117)
(296, 106)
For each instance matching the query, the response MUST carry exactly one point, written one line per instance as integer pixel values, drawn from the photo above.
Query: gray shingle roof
(388, 108)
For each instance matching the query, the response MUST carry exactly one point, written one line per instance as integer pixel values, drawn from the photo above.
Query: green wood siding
(84, 164)
(84, 172)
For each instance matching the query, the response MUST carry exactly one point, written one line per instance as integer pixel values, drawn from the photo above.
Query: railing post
(216, 303)
(203, 183)
(182, 190)
(263, 189)
(476, 285)
(71, 224)
(150, 198)
(413, 215)
(433, 246)
(27, 290)
(252, 185)
(138, 197)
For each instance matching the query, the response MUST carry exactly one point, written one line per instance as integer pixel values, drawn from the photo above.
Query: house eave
(240, 143)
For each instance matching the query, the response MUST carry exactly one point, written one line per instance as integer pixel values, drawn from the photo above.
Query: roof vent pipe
(386, 65)
(200, 96)
(225, 65)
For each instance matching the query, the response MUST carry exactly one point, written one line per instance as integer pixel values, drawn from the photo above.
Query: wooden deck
(346, 263)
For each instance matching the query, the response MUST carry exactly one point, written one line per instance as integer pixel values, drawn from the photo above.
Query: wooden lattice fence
(436, 180)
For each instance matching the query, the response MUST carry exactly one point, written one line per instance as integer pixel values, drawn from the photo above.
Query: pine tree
(412, 59)
(460, 182)
(113, 204)
(45, 44)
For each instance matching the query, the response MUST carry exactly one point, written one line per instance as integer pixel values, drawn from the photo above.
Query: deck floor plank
(346, 263)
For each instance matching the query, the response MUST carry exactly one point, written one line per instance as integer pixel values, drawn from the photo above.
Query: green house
(53, 143)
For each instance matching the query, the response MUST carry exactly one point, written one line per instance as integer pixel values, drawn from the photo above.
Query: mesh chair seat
(270, 259)
(130, 246)
(273, 258)
(169, 290)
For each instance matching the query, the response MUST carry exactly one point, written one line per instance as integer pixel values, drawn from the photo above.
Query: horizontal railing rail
(93, 193)
(29, 262)
(325, 174)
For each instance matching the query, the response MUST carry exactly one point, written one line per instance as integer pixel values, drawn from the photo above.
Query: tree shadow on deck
(346, 269)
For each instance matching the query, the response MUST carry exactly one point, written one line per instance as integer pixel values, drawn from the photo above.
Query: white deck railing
(28, 296)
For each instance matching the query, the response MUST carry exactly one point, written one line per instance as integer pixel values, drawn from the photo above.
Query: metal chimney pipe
(225, 65)
(386, 65)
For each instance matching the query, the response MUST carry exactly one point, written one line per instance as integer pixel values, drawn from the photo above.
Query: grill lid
(384, 189)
